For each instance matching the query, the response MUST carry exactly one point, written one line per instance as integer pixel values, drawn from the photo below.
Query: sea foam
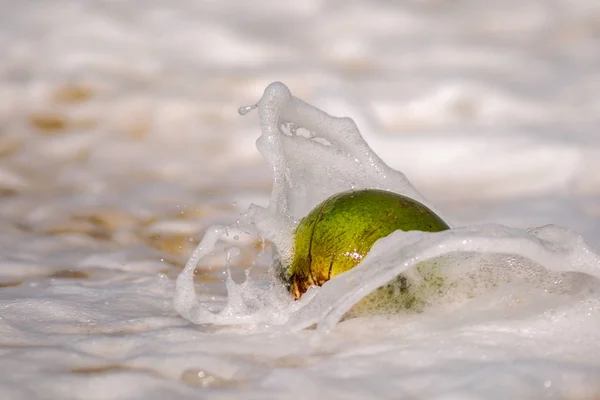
(312, 156)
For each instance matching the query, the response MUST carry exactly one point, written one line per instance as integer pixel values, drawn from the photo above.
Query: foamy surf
(314, 155)
(120, 144)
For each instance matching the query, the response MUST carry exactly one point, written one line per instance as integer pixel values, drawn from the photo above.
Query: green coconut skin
(338, 233)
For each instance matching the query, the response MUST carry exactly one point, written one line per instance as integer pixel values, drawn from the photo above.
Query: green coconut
(338, 233)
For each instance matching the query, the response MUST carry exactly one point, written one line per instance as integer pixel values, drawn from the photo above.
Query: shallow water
(120, 144)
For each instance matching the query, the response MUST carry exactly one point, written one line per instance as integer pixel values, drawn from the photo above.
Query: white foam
(322, 155)
(462, 97)
(331, 156)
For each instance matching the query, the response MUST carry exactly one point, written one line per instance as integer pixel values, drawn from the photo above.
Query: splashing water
(313, 156)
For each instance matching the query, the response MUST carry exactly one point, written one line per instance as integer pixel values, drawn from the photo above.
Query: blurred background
(120, 140)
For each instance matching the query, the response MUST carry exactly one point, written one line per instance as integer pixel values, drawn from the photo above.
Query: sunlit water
(120, 145)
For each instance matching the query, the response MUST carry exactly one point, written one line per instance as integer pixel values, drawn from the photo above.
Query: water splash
(246, 109)
(313, 156)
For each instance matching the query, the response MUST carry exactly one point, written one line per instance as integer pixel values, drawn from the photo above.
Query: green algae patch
(338, 233)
